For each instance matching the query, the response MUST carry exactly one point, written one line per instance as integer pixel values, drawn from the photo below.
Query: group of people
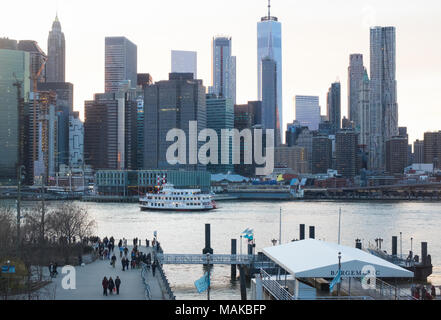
(421, 292)
(110, 286)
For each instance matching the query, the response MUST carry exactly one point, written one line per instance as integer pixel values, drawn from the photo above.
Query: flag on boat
(336, 280)
(203, 283)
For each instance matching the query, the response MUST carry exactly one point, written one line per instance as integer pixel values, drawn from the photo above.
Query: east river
(185, 232)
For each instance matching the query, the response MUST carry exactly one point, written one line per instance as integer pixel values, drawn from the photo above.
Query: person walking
(123, 263)
(105, 284)
(117, 284)
(111, 285)
(154, 267)
(113, 261)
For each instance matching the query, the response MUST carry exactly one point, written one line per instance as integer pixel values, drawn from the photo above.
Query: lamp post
(401, 245)
(209, 284)
(339, 271)
(20, 178)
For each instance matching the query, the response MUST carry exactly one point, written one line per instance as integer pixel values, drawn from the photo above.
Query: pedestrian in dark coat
(123, 263)
(113, 260)
(154, 267)
(117, 284)
(105, 284)
(111, 285)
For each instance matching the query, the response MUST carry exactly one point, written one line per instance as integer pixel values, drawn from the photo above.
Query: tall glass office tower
(121, 61)
(269, 44)
(383, 104)
(224, 69)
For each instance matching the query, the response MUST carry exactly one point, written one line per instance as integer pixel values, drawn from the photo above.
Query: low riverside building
(132, 182)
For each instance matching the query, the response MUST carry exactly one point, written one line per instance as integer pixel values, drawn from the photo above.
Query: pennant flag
(336, 280)
(246, 231)
(203, 283)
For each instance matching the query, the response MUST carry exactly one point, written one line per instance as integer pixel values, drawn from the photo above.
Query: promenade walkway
(89, 277)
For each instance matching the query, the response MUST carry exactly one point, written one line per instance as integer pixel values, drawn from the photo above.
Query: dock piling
(207, 248)
(233, 252)
(311, 232)
(394, 246)
(302, 232)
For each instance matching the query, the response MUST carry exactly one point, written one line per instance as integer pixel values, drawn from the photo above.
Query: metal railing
(167, 288)
(274, 288)
(144, 271)
(229, 259)
(382, 290)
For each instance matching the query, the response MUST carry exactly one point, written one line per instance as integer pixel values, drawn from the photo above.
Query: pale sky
(317, 38)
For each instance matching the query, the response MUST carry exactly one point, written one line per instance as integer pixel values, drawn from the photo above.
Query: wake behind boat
(170, 199)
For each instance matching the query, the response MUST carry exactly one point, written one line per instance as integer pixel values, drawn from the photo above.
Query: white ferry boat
(171, 199)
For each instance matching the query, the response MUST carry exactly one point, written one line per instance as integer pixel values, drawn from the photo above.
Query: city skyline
(303, 72)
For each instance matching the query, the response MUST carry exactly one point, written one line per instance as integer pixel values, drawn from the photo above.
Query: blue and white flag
(248, 231)
(336, 280)
(203, 283)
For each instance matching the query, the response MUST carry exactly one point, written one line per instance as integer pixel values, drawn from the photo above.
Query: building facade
(14, 95)
(270, 119)
(294, 158)
(308, 111)
(432, 148)
(346, 153)
(321, 154)
(76, 140)
(418, 151)
(397, 155)
(121, 63)
(223, 68)
(220, 116)
(173, 104)
(184, 62)
(334, 106)
(356, 73)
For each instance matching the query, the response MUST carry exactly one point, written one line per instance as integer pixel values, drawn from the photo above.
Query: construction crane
(34, 79)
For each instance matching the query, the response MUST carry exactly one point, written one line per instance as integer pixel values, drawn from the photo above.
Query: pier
(136, 284)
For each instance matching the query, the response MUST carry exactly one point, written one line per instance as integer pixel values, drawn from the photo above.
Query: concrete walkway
(89, 278)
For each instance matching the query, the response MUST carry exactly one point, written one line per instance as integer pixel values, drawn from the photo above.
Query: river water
(185, 232)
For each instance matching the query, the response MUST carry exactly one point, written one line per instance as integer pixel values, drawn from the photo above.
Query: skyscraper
(363, 109)
(308, 111)
(37, 58)
(76, 140)
(321, 154)
(220, 115)
(121, 63)
(396, 154)
(269, 98)
(356, 72)
(184, 62)
(14, 92)
(269, 44)
(346, 153)
(418, 151)
(64, 108)
(223, 68)
(56, 54)
(432, 148)
(334, 106)
(384, 107)
(172, 104)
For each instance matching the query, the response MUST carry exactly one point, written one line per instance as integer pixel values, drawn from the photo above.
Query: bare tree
(69, 220)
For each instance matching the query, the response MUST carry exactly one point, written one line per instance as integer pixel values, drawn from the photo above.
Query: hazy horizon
(317, 39)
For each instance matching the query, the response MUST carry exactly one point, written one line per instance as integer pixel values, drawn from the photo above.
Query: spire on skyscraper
(269, 9)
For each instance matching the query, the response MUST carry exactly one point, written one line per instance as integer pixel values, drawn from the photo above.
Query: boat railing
(381, 290)
(274, 287)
